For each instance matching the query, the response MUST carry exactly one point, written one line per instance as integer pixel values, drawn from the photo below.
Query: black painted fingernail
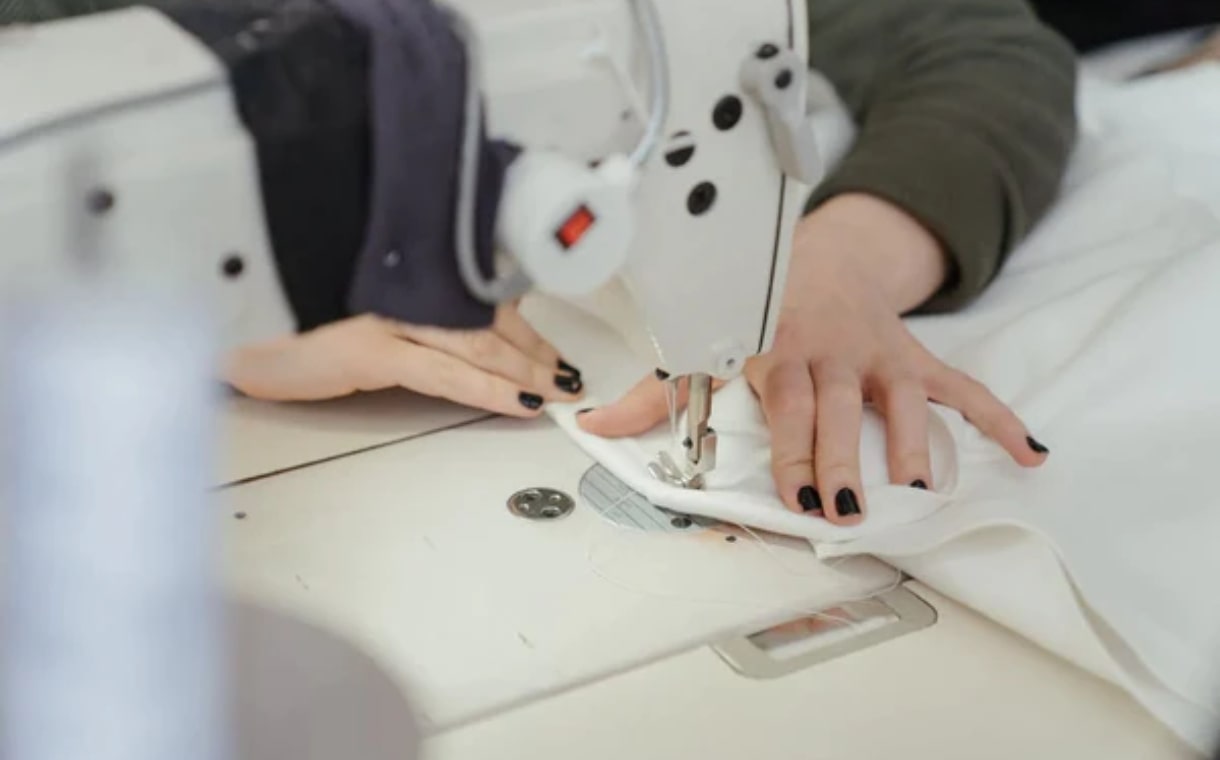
(1037, 447)
(530, 400)
(565, 367)
(808, 498)
(846, 503)
(569, 383)
(919, 484)
(586, 410)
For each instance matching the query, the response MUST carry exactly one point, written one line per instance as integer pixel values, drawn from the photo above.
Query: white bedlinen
(1102, 334)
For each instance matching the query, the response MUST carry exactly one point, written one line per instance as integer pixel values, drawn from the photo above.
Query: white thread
(671, 402)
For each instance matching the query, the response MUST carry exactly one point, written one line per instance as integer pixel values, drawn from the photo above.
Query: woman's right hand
(509, 368)
(858, 263)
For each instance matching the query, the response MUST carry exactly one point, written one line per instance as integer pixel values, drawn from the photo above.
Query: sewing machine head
(713, 95)
(666, 148)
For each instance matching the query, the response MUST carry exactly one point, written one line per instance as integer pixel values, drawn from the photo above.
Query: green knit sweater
(966, 110)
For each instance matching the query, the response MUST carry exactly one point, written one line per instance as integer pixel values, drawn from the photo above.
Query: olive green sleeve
(966, 116)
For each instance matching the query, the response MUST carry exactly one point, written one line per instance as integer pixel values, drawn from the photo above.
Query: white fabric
(1102, 335)
(1128, 59)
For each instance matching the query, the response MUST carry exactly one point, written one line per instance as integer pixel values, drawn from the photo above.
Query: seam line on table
(346, 454)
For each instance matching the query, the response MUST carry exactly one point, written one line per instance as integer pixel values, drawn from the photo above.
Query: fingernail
(809, 499)
(919, 484)
(662, 375)
(530, 400)
(586, 410)
(1037, 447)
(565, 367)
(569, 383)
(846, 504)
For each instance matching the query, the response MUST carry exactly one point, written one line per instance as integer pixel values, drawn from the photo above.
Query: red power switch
(575, 227)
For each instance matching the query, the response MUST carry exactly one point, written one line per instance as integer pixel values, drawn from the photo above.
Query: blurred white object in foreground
(111, 622)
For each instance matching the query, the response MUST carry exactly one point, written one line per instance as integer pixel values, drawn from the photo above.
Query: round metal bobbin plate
(541, 504)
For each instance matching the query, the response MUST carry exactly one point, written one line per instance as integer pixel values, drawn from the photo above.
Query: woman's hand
(509, 369)
(858, 264)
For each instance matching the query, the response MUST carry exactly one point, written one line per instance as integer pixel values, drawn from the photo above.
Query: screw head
(680, 156)
(727, 112)
(233, 266)
(767, 51)
(701, 198)
(100, 201)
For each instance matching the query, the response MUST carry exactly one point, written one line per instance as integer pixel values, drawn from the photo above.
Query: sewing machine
(644, 156)
(506, 625)
(733, 155)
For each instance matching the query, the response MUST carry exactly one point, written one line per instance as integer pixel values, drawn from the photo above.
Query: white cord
(658, 65)
(491, 291)
(516, 283)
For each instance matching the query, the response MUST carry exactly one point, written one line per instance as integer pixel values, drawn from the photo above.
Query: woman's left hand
(509, 369)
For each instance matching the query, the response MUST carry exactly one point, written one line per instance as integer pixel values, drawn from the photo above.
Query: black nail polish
(569, 383)
(530, 400)
(586, 410)
(919, 484)
(565, 367)
(1037, 447)
(809, 499)
(846, 503)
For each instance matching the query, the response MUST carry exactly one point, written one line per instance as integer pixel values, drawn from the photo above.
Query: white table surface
(964, 689)
(261, 438)
(509, 647)
(411, 550)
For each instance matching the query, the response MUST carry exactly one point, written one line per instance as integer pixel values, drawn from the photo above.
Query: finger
(492, 353)
(640, 410)
(987, 413)
(441, 375)
(516, 330)
(840, 411)
(328, 362)
(278, 372)
(786, 395)
(903, 402)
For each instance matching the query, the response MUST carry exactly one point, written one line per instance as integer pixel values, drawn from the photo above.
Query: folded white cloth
(1102, 335)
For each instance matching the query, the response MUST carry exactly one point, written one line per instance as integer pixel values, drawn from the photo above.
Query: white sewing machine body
(724, 156)
(95, 177)
(142, 149)
(714, 209)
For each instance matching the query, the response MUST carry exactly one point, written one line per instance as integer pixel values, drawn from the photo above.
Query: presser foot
(699, 446)
(694, 473)
(666, 470)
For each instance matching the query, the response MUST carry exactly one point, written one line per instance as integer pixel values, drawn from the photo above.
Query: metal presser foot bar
(699, 444)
